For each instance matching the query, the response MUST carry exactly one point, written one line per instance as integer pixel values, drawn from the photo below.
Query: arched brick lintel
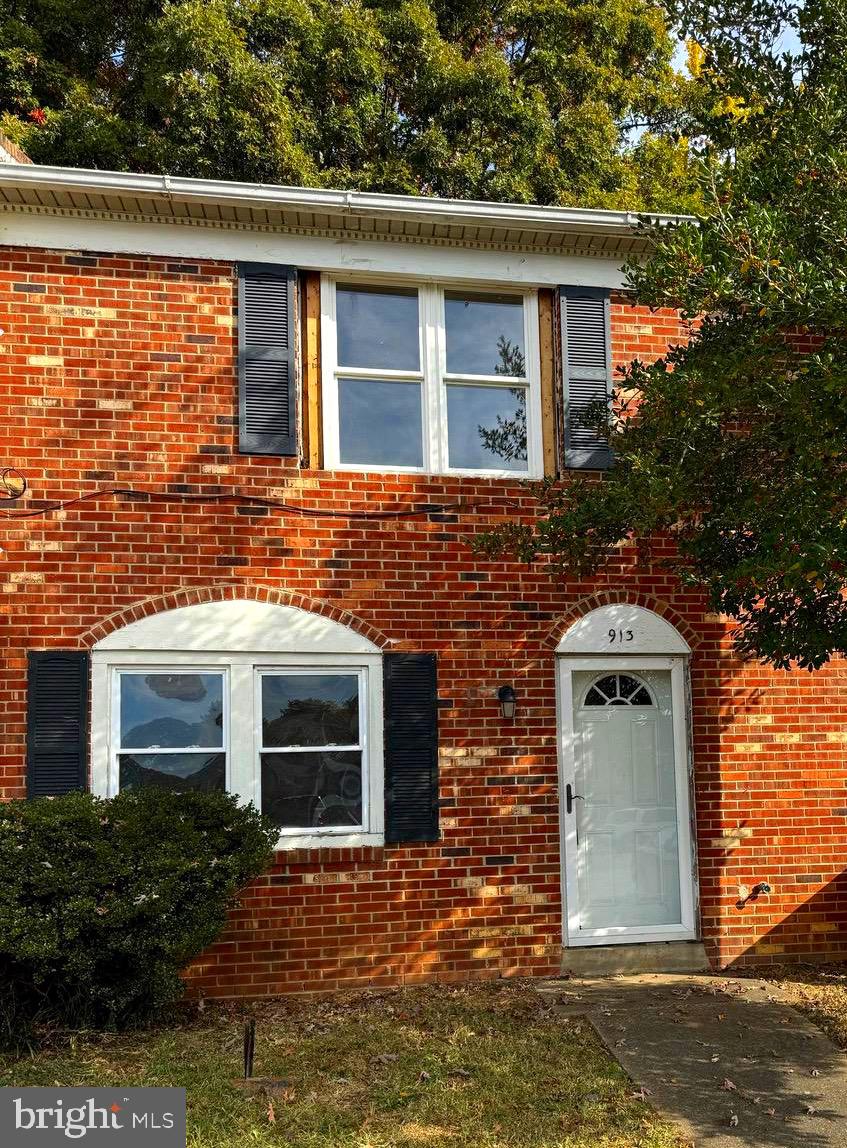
(619, 598)
(228, 593)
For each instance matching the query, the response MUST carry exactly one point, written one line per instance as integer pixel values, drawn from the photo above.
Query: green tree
(548, 101)
(735, 443)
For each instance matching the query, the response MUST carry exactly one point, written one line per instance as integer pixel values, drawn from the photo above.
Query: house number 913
(620, 636)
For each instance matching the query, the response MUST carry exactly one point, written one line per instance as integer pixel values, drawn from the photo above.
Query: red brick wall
(120, 371)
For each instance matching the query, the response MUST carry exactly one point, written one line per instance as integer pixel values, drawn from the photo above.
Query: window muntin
(419, 414)
(171, 729)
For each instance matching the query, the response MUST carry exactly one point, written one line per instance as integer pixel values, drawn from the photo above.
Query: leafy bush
(104, 902)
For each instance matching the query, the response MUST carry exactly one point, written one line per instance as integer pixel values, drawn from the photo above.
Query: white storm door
(625, 802)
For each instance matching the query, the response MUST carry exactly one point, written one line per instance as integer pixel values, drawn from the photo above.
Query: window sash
(361, 747)
(435, 380)
(416, 390)
(117, 746)
(299, 830)
(323, 672)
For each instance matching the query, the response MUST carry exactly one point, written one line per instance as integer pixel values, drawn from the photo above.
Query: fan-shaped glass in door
(618, 690)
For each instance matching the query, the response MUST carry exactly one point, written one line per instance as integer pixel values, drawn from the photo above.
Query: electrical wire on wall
(12, 483)
(13, 486)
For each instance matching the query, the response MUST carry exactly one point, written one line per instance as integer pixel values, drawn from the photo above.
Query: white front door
(625, 807)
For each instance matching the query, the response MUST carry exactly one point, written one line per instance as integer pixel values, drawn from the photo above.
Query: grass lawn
(820, 991)
(479, 1067)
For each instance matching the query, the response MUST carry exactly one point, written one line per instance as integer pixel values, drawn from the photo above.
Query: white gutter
(325, 201)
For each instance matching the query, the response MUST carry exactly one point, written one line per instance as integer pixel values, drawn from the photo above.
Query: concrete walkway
(729, 1061)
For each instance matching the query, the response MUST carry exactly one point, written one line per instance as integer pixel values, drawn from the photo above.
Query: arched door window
(618, 690)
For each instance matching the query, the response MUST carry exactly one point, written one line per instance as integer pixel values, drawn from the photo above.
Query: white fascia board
(392, 257)
(329, 201)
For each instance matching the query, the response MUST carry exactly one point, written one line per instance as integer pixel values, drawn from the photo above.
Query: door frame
(573, 936)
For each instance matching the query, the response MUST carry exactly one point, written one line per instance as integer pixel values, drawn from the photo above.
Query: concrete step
(653, 957)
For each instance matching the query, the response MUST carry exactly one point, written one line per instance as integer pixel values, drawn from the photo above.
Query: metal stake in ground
(249, 1046)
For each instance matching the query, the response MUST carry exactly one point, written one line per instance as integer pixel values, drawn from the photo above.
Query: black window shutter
(586, 370)
(411, 747)
(267, 403)
(57, 722)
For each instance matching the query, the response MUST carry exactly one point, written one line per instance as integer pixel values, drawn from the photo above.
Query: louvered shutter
(267, 407)
(411, 747)
(57, 722)
(586, 370)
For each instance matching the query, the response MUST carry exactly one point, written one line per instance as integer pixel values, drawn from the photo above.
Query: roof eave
(450, 212)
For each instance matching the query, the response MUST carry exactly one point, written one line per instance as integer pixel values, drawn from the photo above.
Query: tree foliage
(522, 100)
(736, 442)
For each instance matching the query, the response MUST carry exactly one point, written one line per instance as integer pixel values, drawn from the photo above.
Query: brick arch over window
(619, 598)
(194, 597)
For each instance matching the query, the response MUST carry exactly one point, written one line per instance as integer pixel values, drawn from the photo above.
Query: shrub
(104, 902)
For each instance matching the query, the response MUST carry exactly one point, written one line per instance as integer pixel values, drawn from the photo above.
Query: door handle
(571, 797)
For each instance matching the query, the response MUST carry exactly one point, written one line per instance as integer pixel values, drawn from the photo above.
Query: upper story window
(425, 378)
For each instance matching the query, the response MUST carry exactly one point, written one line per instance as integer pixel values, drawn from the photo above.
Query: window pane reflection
(176, 771)
(310, 709)
(312, 790)
(171, 711)
(485, 334)
(486, 427)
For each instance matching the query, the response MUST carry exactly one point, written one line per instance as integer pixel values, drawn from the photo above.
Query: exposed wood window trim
(310, 328)
(547, 348)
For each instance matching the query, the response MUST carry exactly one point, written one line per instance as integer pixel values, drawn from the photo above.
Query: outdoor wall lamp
(508, 701)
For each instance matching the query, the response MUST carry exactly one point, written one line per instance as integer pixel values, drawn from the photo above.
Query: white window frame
(242, 737)
(432, 375)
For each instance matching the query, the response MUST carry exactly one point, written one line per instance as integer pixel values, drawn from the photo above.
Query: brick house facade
(120, 369)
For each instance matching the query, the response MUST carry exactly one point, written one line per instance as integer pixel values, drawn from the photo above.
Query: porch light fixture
(508, 701)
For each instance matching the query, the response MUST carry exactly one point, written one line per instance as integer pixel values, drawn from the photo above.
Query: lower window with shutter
(298, 735)
(339, 749)
(411, 748)
(57, 722)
